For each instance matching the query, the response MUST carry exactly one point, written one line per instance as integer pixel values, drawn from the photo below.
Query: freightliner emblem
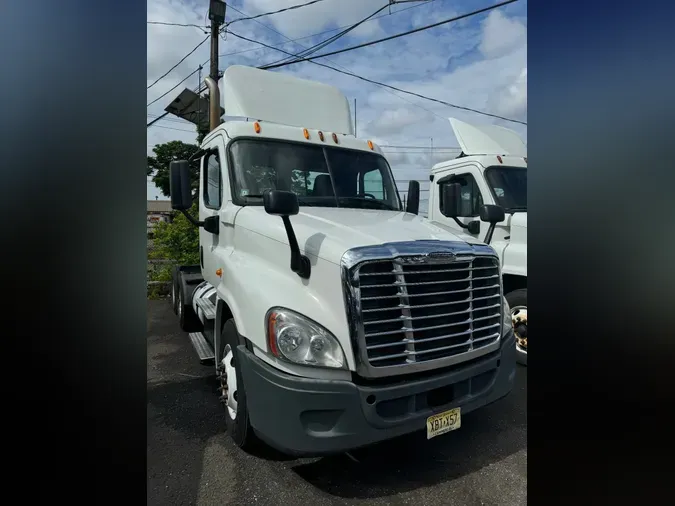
(434, 256)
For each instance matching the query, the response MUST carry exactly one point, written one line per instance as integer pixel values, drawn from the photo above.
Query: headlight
(298, 339)
(507, 321)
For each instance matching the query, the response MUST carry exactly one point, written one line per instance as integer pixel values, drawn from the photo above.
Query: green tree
(164, 154)
(177, 242)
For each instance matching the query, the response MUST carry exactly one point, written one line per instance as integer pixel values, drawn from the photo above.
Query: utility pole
(200, 131)
(354, 117)
(217, 17)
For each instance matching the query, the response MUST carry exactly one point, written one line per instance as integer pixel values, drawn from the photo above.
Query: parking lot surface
(192, 461)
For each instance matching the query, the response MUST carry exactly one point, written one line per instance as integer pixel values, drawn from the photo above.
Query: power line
(455, 106)
(308, 36)
(313, 49)
(273, 12)
(340, 66)
(388, 85)
(157, 119)
(173, 128)
(417, 147)
(181, 61)
(202, 28)
(395, 36)
(181, 82)
(418, 152)
(337, 65)
(180, 121)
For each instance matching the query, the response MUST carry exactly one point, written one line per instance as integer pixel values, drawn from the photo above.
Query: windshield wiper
(379, 203)
(301, 200)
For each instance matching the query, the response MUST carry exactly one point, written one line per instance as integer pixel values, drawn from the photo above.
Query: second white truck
(491, 170)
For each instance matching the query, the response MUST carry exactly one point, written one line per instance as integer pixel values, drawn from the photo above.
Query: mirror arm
(459, 222)
(491, 230)
(189, 217)
(300, 264)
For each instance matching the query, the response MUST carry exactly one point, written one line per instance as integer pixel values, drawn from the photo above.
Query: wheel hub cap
(228, 382)
(519, 318)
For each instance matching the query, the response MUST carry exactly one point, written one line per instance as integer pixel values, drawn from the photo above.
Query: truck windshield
(509, 186)
(318, 175)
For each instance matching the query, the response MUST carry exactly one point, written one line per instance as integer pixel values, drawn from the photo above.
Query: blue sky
(480, 62)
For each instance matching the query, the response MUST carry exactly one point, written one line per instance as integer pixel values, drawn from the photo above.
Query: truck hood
(328, 232)
(518, 229)
(519, 220)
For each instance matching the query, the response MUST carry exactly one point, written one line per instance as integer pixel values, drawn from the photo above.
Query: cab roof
(487, 139)
(280, 98)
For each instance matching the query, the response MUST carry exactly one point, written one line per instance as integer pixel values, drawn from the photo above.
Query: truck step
(208, 307)
(202, 347)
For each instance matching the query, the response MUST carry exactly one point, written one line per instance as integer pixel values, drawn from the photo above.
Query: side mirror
(281, 203)
(285, 204)
(179, 185)
(413, 203)
(451, 199)
(492, 215)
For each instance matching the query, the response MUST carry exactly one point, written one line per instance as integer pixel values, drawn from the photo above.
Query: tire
(187, 318)
(174, 290)
(239, 425)
(517, 300)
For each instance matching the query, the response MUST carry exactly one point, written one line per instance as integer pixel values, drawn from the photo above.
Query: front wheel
(517, 300)
(232, 393)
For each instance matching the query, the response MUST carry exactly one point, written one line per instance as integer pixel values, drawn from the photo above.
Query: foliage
(177, 241)
(158, 165)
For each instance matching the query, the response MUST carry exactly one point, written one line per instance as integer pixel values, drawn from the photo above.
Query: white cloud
(395, 120)
(479, 63)
(316, 17)
(502, 35)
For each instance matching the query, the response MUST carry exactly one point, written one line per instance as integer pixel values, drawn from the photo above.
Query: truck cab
(491, 170)
(333, 317)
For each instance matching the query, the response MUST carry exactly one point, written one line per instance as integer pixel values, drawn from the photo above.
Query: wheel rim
(228, 382)
(519, 319)
(173, 294)
(180, 305)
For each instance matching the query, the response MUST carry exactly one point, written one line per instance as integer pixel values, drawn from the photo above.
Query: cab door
(210, 203)
(473, 194)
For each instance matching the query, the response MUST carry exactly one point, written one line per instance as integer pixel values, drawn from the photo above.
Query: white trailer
(491, 170)
(334, 317)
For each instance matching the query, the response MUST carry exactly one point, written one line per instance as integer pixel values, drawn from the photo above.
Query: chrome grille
(412, 312)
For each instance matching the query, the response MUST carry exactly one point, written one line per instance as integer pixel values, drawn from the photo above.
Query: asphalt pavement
(191, 460)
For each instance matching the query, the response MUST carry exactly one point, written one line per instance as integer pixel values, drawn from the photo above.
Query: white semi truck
(333, 317)
(491, 170)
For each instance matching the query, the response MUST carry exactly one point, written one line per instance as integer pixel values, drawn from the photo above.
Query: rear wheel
(517, 300)
(232, 393)
(174, 297)
(186, 315)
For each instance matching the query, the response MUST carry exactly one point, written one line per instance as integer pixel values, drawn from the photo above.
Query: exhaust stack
(214, 103)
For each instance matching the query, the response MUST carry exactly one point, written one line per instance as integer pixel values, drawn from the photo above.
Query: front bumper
(303, 416)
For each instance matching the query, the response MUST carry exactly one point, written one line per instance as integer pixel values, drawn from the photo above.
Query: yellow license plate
(443, 422)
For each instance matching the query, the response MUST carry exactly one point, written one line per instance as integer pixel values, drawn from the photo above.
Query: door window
(213, 183)
(471, 199)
